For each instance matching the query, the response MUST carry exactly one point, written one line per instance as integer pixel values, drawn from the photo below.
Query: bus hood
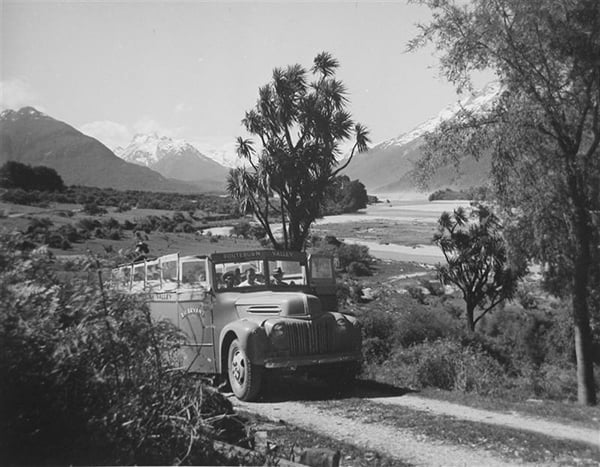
(280, 303)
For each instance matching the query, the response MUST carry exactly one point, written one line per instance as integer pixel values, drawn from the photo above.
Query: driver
(250, 279)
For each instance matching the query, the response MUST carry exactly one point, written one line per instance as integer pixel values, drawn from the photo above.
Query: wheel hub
(238, 367)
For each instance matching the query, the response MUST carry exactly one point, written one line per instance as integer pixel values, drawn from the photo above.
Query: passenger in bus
(229, 281)
(278, 277)
(250, 279)
(237, 277)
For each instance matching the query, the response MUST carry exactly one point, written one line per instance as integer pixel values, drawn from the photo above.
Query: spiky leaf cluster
(301, 125)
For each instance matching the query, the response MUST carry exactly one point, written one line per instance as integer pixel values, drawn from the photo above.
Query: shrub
(20, 196)
(55, 240)
(93, 209)
(449, 194)
(447, 364)
(378, 329)
(123, 207)
(84, 374)
(419, 324)
(70, 233)
(128, 225)
(87, 224)
(356, 268)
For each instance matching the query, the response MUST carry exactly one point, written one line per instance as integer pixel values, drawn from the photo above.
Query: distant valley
(388, 166)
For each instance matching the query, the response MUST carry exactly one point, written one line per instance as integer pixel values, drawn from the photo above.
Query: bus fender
(252, 337)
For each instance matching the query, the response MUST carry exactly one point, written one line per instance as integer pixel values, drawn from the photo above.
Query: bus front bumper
(312, 360)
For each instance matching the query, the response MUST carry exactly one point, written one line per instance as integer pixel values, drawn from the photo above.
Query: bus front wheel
(244, 377)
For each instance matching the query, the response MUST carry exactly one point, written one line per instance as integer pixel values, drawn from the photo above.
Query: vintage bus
(247, 312)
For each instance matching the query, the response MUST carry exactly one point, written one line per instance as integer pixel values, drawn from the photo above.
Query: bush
(419, 324)
(93, 209)
(447, 364)
(20, 196)
(378, 329)
(123, 207)
(353, 253)
(356, 268)
(85, 375)
(449, 194)
(87, 224)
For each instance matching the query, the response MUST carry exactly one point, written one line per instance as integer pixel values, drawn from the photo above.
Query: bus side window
(169, 274)
(139, 275)
(152, 275)
(193, 273)
(125, 277)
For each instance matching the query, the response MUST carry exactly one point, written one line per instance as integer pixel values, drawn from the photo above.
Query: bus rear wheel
(244, 377)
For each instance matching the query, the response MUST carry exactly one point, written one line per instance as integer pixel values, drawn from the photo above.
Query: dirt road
(412, 446)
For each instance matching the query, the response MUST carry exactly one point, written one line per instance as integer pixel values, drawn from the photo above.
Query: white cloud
(111, 134)
(16, 93)
(147, 125)
(114, 134)
(181, 107)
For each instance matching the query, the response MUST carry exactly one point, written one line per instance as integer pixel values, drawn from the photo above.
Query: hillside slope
(31, 137)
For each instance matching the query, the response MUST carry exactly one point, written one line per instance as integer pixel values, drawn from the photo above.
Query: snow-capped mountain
(387, 166)
(476, 102)
(148, 149)
(174, 158)
(225, 155)
(32, 137)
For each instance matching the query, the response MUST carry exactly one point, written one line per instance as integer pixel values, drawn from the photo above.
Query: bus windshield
(255, 273)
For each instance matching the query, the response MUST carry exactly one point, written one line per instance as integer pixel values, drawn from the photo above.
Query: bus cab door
(195, 316)
(322, 280)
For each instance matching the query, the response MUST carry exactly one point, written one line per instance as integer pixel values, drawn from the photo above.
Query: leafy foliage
(516, 353)
(85, 374)
(543, 132)
(301, 126)
(477, 260)
(344, 195)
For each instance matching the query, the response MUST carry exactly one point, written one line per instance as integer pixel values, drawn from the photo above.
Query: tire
(244, 377)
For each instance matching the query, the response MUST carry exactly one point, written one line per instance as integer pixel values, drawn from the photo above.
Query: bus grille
(311, 338)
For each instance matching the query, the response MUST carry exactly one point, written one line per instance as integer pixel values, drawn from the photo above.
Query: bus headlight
(342, 323)
(278, 336)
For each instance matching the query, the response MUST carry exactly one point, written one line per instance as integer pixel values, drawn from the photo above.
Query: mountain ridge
(35, 138)
(174, 158)
(388, 166)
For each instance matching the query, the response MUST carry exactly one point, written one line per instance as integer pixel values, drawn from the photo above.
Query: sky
(190, 69)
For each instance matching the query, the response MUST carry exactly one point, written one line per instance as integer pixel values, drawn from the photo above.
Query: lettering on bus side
(255, 254)
(163, 297)
(200, 311)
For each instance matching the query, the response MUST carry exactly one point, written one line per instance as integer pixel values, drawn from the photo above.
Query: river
(409, 210)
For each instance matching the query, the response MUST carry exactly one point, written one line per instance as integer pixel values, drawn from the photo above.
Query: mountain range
(32, 137)
(159, 163)
(176, 159)
(388, 166)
